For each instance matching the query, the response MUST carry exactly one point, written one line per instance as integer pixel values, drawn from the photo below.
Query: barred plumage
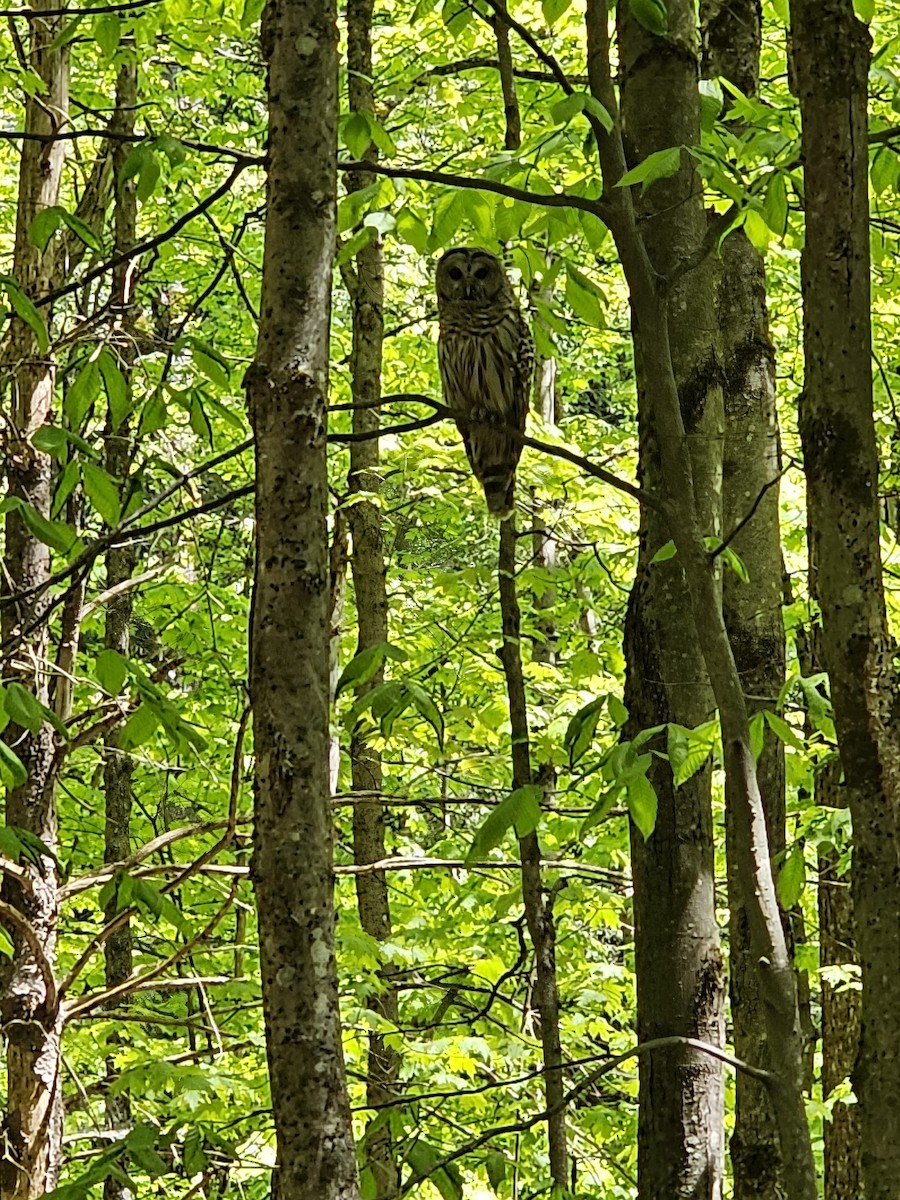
(486, 357)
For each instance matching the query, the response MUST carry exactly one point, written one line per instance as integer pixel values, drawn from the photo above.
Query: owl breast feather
(479, 367)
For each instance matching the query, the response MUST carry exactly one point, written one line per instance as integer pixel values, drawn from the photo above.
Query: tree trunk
(676, 499)
(752, 609)
(118, 765)
(831, 61)
(289, 639)
(538, 912)
(680, 977)
(32, 1128)
(368, 567)
(840, 1010)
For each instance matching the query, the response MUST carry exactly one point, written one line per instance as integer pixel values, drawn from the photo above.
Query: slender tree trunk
(289, 638)
(733, 34)
(840, 1010)
(368, 567)
(29, 1013)
(831, 62)
(118, 765)
(675, 497)
(680, 977)
(538, 913)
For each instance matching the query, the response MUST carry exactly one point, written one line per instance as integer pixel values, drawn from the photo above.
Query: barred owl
(486, 358)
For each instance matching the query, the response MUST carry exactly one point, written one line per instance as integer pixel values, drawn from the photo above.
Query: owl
(486, 357)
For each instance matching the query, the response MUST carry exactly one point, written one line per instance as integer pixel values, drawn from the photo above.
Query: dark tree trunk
(683, 508)
(680, 977)
(538, 910)
(752, 610)
(368, 567)
(289, 639)
(831, 63)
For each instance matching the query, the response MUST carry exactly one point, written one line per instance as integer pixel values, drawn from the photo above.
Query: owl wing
(524, 372)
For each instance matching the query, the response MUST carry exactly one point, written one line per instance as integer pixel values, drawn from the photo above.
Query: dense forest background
(602, 784)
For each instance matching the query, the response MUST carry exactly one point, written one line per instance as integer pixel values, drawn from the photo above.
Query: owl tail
(498, 491)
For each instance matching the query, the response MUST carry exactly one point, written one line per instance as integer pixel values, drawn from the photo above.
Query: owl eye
(455, 273)
(482, 273)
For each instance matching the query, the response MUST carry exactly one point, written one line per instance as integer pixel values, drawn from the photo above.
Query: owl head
(467, 275)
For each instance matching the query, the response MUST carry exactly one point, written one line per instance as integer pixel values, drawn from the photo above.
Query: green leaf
(782, 730)
(368, 1185)
(584, 302)
(733, 560)
(864, 9)
(642, 803)
(424, 1158)
(580, 102)
(792, 877)
(211, 364)
(426, 708)
(349, 249)
(660, 165)
(617, 710)
(151, 900)
(23, 845)
(495, 1165)
(52, 440)
(44, 225)
(56, 534)
(689, 749)
(6, 946)
(885, 170)
(366, 665)
(652, 14)
(111, 671)
(600, 811)
(103, 493)
(775, 204)
(108, 33)
(356, 134)
(116, 388)
(23, 707)
(82, 393)
(148, 177)
(134, 162)
(580, 734)
(172, 148)
(24, 308)
(139, 727)
(154, 415)
(194, 1156)
(520, 810)
(140, 1143)
(82, 230)
(664, 553)
(757, 735)
(552, 10)
(67, 482)
(68, 33)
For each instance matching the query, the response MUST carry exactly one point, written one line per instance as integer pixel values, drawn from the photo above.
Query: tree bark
(840, 1010)
(680, 977)
(289, 638)
(29, 1012)
(538, 912)
(368, 568)
(752, 610)
(118, 765)
(676, 497)
(831, 62)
